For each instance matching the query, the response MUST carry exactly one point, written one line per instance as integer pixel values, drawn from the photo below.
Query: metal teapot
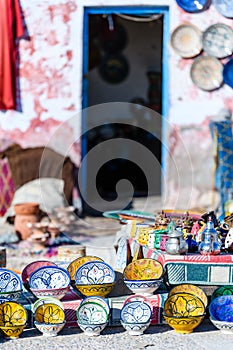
(176, 243)
(210, 243)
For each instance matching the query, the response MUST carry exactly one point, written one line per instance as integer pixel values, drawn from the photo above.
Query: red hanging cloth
(11, 28)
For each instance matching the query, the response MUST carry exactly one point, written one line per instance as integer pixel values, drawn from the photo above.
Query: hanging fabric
(11, 29)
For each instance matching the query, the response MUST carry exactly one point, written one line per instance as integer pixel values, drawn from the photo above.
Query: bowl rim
(92, 262)
(145, 259)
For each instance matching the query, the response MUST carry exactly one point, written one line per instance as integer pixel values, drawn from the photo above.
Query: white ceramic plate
(186, 40)
(218, 40)
(206, 73)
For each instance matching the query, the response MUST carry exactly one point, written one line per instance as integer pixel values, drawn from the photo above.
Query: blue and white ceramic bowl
(143, 287)
(221, 308)
(91, 313)
(11, 295)
(94, 272)
(135, 312)
(92, 330)
(223, 326)
(9, 281)
(49, 277)
(135, 328)
(99, 300)
(48, 329)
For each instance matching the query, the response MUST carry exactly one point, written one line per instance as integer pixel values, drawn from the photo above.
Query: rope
(140, 19)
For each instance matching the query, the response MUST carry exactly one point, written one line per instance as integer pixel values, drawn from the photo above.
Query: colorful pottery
(11, 295)
(46, 300)
(99, 300)
(48, 277)
(142, 286)
(184, 325)
(224, 326)
(183, 305)
(223, 290)
(186, 40)
(12, 314)
(9, 281)
(224, 7)
(30, 268)
(57, 293)
(138, 297)
(228, 73)
(193, 6)
(136, 312)
(135, 328)
(49, 330)
(92, 330)
(143, 269)
(101, 290)
(74, 265)
(12, 332)
(26, 213)
(221, 308)
(190, 289)
(49, 314)
(218, 40)
(91, 312)
(94, 272)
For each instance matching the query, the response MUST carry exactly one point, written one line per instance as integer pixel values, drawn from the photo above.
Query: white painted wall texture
(51, 91)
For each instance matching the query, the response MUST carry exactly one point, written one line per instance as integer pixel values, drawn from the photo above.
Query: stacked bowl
(10, 285)
(143, 276)
(221, 313)
(49, 281)
(185, 307)
(93, 315)
(95, 278)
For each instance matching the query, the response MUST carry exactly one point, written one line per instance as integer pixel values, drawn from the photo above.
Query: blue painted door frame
(128, 10)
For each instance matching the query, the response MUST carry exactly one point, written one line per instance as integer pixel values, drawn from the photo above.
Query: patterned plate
(183, 304)
(221, 308)
(218, 40)
(12, 314)
(91, 313)
(228, 73)
(49, 277)
(191, 289)
(224, 7)
(186, 40)
(193, 5)
(30, 268)
(75, 264)
(50, 314)
(143, 269)
(207, 73)
(9, 281)
(99, 300)
(136, 312)
(94, 272)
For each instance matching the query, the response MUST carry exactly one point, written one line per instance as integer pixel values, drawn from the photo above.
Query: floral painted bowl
(46, 300)
(91, 312)
(221, 308)
(143, 269)
(92, 330)
(49, 329)
(99, 300)
(49, 314)
(183, 324)
(190, 289)
(101, 290)
(57, 293)
(135, 312)
(75, 264)
(9, 281)
(183, 305)
(49, 277)
(12, 314)
(135, 328)
(95, 272)
(143, 287)
(224, 326)
(12, 331)
(14, 295)
(30, 268)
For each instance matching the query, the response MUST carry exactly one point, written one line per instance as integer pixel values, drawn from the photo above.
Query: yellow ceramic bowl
(12, 314)
(100, 290)
(183, 305)
(49, 313)
(12, 331)
(75, 264)
(143, 269)
(184, 324)
(191, 289)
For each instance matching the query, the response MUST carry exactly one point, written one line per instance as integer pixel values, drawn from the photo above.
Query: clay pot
(26, 214)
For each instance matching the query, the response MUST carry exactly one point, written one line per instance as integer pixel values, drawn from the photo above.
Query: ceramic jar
(210, 244)
(176, 243)
(26, 214)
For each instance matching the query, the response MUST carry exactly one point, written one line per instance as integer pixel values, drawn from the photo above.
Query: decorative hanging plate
(136, 312)
(206, 73)
(49, 277)
(193, 5)
(9, 281)
(224, 7)
(186, 40)
(228, 73)
(218, 40)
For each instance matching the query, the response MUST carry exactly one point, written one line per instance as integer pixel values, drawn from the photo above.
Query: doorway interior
(124, 52)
